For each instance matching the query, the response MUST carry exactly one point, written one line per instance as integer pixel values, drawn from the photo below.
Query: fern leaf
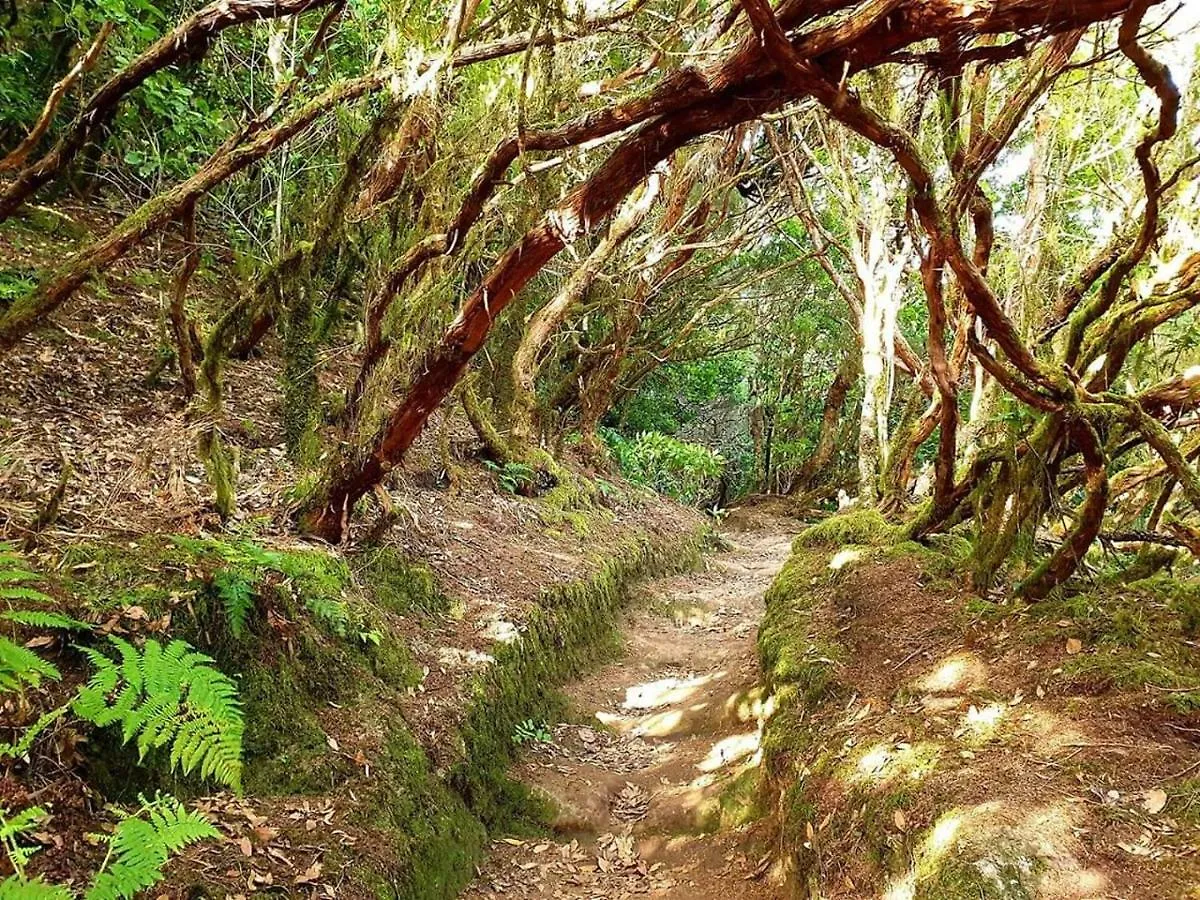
(17, 888)
(20, 666)
(237, 597)
(22, 747)
(8, 592)
(177, 699)
(141, 847)
(38, 619)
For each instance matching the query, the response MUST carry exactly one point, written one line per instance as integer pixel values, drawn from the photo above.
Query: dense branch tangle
(686, 105)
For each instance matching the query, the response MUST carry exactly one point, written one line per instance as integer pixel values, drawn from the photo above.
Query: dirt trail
(640, 795)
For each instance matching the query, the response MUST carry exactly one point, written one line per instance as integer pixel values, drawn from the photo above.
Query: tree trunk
(827, 438)
(155, 213)
(180, 326)
(549, 319)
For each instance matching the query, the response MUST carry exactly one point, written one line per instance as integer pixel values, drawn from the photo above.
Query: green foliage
(11, 831)
(512, 477)
(236, 594)
(25, 742)
(21, 667)
(36, 618)
(143, 843)
(682, 470)
(532, 731)
(138, 849)
(168, 696)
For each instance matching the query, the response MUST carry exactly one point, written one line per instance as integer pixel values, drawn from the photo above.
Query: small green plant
(138, 849)
(168, 696)
(688, 472)
(512, 477)
(20, 667)
(532, 732)
(236, 594)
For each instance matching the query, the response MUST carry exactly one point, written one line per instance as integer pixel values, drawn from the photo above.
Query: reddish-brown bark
(690, 103)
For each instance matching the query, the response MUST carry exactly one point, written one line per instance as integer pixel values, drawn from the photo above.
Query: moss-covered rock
(859, 527)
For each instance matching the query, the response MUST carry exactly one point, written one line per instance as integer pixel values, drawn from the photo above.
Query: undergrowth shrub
(138, 848)
(688, 472)
(168, 696)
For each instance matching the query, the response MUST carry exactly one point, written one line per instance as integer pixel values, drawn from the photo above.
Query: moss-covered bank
(317, 643)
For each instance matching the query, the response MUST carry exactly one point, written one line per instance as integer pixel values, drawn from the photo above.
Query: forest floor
(646, 789)
(994, 749)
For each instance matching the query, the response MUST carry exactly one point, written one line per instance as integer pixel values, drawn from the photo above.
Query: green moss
(399, 585)
(863, 527)
(742, 801)
(572, 629)
(433, 839)
(221, 463)
(981, 879)
(1184, 800)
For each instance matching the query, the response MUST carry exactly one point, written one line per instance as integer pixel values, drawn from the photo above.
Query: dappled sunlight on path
(655, 796)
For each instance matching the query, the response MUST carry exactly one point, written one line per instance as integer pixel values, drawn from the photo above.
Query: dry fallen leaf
(1074, 645)
(899, 820)
(1154, 800)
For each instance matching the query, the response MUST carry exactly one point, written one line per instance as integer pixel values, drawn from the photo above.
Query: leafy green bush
(688, 472)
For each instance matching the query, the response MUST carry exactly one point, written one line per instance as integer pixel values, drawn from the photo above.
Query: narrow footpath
(651, 795)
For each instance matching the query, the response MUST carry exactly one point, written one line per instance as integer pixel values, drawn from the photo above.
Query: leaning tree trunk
(547, 320)
(157, 212)
(827, 438)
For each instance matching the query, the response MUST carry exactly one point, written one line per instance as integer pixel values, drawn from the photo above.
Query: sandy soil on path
(676, 722)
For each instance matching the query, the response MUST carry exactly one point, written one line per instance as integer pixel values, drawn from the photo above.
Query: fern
(143, 843)
(13, 578)
(22, 746)
(20, 666)
(12, 829)
(168, 696)
(237, 596)
(36, 618)
(17, 888)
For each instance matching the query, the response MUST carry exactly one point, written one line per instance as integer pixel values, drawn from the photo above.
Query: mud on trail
(650, 796)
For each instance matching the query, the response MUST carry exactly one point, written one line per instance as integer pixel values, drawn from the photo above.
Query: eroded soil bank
(655, 782)
(930, 744)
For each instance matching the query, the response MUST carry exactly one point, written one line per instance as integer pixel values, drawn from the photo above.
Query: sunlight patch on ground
(885, 762)
(981, 723)
(730, 750)
(749, 705)
(957, 672)
(666, 691)
(843, 558)
(1005, 849)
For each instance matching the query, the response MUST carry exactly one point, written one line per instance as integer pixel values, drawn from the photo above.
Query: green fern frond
(237, 597)
(169, 697)
(22, 747)
(142, 844)
(20, 666)
(32, 595)
(14, 578)
(17, 888)
(34, 618)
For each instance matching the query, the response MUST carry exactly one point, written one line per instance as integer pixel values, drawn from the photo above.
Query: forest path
(641, 799)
